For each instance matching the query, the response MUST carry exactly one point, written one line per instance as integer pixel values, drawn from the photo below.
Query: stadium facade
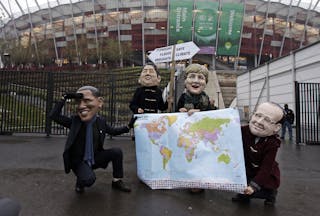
(237, 32)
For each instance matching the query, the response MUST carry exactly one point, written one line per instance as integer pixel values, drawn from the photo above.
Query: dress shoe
(79, 190)
(270, 202)
(120, 185)
(241, 198)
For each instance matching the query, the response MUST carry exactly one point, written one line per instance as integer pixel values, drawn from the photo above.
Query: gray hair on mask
(95, 92)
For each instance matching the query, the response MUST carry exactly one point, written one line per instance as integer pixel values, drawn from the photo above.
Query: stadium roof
(15, 8)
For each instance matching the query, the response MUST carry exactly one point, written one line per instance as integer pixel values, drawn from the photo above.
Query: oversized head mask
(196, 78)
(149, 76)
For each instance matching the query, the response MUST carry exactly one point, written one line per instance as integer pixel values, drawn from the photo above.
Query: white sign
(182, 51)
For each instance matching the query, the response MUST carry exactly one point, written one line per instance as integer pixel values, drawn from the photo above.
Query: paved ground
(31, 171)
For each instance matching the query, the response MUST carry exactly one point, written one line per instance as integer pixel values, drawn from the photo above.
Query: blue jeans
(285, 125)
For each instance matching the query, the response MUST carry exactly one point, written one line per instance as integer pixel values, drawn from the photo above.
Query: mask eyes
(150, 71)
(264, 118)
(196, 76)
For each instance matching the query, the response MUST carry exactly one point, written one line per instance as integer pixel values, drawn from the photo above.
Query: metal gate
(26, 97)
(308, 113)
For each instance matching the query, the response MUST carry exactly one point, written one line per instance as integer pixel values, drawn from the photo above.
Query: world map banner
(203, 150)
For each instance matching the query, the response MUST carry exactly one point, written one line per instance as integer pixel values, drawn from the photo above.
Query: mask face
(195, 83)
(88, 106)
(263, 122)
(149, 77)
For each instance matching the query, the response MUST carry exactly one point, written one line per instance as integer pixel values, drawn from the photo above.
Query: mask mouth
(147, 77)
(195, 86)
(83, 112)
(257, 125)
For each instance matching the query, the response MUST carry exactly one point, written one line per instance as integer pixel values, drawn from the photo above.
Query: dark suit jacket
(74, 124)
(260, 159)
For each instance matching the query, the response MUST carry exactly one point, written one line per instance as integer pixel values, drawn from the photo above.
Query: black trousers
(264, 193)
(85, 174)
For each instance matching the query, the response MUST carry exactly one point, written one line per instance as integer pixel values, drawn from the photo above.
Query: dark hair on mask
(153, 65)
(95, 92)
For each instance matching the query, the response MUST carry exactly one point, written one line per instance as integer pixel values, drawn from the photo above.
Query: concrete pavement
(31, 171)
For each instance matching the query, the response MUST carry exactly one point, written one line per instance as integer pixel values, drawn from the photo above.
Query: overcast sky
(32, 5)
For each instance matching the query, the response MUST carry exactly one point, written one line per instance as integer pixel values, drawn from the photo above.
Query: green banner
(230, 29)
(180, 21)
(205, 22)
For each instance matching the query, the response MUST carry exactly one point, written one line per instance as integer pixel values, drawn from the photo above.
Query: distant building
(81, 31)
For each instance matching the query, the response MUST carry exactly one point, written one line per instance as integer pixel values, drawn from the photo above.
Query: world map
(204, 150)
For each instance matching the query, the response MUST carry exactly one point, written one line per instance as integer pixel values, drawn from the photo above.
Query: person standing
(84, 152)
(148, 97)
(287, 123)
(194, 99)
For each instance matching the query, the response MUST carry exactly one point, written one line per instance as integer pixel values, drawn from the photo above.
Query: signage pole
(172, 80)
(173, 53)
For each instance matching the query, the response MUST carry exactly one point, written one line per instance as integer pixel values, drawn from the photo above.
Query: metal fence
(26, 97)
(308, 113)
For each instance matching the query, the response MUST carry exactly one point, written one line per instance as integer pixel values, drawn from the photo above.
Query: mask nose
(260, 120)
(196, 79)
(81, 104)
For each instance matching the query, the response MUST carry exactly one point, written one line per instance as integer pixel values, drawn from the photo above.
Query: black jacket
(289, 115)
(149, 99)
(197, 105)
(74, 123)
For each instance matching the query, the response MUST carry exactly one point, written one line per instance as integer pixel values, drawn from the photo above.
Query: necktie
(88, 153)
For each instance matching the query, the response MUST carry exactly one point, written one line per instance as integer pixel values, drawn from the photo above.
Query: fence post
(111, 102)
(3, 110)
(49, 101)
(298, 126)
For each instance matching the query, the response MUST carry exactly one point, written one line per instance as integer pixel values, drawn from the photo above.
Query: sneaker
(120, 185)
(241, 198)
(79, 190)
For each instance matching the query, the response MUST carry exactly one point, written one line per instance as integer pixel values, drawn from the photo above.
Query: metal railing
(27, 97)
(308, 113)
